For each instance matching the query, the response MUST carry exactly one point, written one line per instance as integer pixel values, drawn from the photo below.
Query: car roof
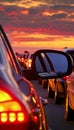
(68, 49)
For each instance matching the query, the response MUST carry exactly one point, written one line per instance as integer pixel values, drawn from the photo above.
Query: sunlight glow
(24, 3)
(33, 40)
(33, 45)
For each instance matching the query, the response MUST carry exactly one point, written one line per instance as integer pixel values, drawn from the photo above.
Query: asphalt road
(54, 112)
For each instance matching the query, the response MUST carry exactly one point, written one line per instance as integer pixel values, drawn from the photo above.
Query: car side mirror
(51, 64)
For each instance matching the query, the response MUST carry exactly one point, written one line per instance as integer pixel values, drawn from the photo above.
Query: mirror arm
(47, 75)
(44, 100)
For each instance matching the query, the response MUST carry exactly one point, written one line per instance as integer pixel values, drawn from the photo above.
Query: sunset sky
(35, 24)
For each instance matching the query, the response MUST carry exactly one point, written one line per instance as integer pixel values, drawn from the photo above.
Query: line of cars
(28, 61)
(25, 59)
(20, 105)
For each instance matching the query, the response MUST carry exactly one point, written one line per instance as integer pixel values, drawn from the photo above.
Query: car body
(57, 87)
(69, 100)
(20, 105)
(61, 85)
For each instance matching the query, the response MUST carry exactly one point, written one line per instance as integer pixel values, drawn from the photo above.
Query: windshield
(7, 68)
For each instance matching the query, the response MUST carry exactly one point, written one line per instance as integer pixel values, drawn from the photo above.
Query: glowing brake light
(11, 110)
(4, 96)
(65, 77)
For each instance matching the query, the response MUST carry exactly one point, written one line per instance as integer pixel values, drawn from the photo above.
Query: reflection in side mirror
(51, 64)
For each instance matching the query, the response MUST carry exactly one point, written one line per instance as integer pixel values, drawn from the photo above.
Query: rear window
(1, 52)
(1, 61)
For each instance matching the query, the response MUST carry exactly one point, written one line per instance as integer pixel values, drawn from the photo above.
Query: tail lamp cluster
(66, 78)
(11, 111)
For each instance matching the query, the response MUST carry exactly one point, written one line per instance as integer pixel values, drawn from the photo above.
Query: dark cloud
(67, 8)
(11, 1)
(57, 22)
(60, 1)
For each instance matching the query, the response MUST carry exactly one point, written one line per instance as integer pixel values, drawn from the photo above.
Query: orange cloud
(48, 13)
(25, 12)
(51, 12)
(37, 40)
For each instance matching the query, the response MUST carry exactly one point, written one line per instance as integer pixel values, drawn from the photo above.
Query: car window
(4, 64)
(2, 53)
(7, 53)
(1, 60)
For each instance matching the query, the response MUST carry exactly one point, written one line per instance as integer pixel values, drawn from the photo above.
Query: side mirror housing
(51, 64)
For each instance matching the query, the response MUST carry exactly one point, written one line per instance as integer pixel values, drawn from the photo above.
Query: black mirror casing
(51, 64)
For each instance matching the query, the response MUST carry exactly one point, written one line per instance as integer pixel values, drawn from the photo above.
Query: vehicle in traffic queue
(20, 105)
(61, 86)
(69, 99)
(64, 88)
(57, 87)
(60, 83)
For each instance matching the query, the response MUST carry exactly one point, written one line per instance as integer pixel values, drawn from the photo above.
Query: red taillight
(65, 78)
(12, 117)
(35, 97)
(11, 110)
(35, 119)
